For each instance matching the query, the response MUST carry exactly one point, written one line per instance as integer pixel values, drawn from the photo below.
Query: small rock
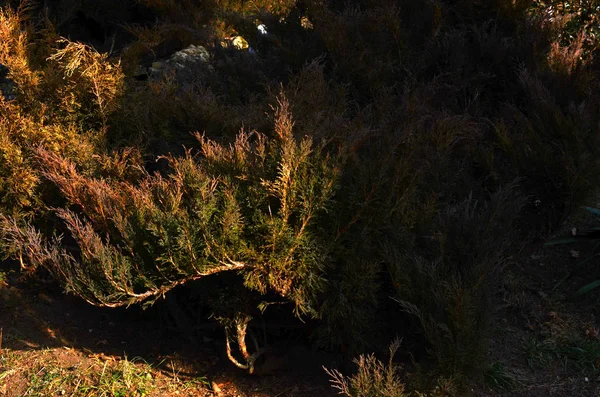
(194, 54)
(574, 254)
(183, 65)
(239, 43)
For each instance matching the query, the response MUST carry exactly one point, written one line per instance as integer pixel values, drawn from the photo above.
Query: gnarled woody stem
(241, 325)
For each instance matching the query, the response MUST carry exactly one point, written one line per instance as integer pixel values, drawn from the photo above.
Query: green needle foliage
(429, 141)
(249, 207)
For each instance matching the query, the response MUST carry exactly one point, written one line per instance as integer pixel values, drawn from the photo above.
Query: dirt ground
(543, 343)
(54, 344)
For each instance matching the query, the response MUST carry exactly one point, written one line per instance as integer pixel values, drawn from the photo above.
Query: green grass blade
(587, 288)
(594, 211)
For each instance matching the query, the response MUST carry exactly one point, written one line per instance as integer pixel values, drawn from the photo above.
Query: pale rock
(239, 43)
(194, 54)
(183, 65)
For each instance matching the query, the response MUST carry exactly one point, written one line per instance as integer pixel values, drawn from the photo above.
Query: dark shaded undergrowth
(370, 167)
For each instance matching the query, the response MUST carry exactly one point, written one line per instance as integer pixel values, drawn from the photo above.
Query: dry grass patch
(70, 372)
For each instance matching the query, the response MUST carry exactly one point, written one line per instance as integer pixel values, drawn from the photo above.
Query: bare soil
(546, 340)
(47, 333)
(42, 327)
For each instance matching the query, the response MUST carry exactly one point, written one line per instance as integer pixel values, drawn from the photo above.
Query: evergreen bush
(411, 151)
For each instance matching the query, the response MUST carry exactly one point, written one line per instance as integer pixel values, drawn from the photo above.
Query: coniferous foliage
(61, 104)
(412, 149)
(250, 206)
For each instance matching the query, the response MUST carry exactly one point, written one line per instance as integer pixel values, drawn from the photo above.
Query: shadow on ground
(36, 316)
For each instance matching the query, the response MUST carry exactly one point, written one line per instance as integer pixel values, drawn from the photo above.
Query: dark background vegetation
(368, 167)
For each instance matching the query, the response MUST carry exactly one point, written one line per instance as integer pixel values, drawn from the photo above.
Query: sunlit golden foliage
(429, 141)
(63, 108)
(87, 73)
(568, 58)
(14, 47)
(373, 378)
(250, 206)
